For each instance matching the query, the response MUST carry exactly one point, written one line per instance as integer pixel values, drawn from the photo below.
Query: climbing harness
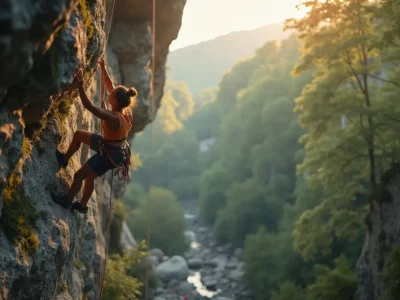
(122, 170)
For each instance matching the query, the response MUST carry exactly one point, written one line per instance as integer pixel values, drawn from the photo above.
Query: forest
(306, 134)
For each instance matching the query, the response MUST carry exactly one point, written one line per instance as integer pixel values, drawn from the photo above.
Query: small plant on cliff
(117, 282)
(391, 274)
(78, 264)
(84, 6)
(19, 217)
(64, 287)
(59, 112)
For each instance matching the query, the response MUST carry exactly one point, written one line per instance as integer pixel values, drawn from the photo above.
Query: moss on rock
(19, 217)
(391, 274)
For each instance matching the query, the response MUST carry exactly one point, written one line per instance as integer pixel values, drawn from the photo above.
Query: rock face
(127, 241)
(58, 254)
(383, 233)
(133, 48)
(129, 51)
(28, 28)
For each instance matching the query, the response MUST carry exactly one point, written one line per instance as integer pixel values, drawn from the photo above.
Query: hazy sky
(206, 19)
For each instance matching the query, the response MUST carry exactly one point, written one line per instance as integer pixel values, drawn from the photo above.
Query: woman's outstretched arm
(106, 78)
(99, 112)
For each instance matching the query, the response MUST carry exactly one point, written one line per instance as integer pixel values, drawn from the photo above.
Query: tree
(163, 216)
(212, 194)
(340, 45)
(181, 93)
(332, 284)
(262, 268)
(248, 206)
(205, 96)
(133, 196)
(288, 291)
(391, 14)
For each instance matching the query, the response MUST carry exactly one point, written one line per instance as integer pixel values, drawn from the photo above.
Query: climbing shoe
(76, 205)
(60, 158)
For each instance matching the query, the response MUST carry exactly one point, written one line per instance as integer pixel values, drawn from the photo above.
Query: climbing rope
(102, 91)
(103, 103)
(153, 65)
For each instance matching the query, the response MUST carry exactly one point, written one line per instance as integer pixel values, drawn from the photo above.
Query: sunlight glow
(206, 19)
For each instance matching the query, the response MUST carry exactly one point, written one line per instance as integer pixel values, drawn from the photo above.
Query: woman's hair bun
(132, 92)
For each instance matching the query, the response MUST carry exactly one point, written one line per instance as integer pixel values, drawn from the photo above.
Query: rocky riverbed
(205, 271)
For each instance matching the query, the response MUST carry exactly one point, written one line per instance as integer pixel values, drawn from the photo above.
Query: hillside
(215, 57)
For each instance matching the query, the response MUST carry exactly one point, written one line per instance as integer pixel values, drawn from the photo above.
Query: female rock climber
(110, 148)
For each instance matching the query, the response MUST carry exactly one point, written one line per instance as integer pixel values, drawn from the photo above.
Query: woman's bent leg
(80, 136)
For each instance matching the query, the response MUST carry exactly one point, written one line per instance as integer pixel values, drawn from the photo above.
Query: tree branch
(384, 80)
(352, 71)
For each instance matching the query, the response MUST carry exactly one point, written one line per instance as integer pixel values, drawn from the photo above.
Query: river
(195, 277)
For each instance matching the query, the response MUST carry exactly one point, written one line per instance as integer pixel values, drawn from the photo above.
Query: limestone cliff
(47, 252)
(383, 237)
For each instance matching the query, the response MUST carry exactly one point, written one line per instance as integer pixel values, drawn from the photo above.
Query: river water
(195, 278)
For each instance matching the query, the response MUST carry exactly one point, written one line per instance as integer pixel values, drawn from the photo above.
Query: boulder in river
(195, 263)
(157, 253)
(210, 282)
(238, 253)
(174, 268)
(153, 261)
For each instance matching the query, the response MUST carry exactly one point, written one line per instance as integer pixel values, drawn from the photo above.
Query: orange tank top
(122, 132)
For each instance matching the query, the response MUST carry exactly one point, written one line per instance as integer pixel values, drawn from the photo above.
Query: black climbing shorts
(100, 163)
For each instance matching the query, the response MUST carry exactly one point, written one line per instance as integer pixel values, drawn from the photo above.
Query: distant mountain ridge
(202, 65)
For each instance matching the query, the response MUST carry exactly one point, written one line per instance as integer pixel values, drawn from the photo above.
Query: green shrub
(118, 284)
